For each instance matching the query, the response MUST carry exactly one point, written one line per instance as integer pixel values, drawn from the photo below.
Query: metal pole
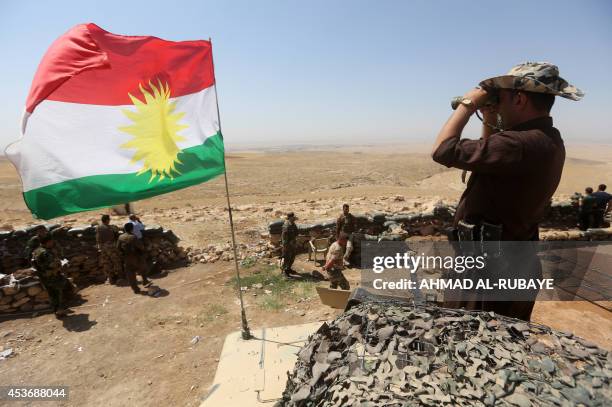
(246, 333)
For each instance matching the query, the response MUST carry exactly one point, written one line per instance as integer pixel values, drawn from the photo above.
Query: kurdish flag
(112, 119)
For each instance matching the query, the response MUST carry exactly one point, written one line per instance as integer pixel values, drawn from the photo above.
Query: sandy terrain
(119, 349)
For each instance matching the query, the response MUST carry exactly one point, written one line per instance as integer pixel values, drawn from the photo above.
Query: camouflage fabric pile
(390, 354)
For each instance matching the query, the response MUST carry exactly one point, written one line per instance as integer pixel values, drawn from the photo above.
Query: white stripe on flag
(63, 141)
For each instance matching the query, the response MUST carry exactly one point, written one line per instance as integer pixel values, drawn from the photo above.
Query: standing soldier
(48, 267)
(289, 243)
(588, 208)
(34, 243)
(110, 258)
(516, 167)
(346, 224)
(133, 253)
(603, 205)
(334, 263)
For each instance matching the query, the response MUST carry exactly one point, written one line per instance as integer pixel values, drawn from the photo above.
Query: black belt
(476, 239)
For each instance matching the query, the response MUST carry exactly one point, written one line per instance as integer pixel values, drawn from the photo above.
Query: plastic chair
(318, 246)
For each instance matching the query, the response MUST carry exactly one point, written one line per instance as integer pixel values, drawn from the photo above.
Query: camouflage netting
(389, 354)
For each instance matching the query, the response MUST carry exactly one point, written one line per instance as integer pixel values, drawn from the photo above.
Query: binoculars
(492, 99)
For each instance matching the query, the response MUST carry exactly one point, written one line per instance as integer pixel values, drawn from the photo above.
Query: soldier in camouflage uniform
(33, 244)
(133, 252)
(334, 263)
(346, 224)
(48, 267)
(289, 236)
(110, 258)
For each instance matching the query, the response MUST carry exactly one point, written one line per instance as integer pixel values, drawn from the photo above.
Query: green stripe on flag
(198, 164)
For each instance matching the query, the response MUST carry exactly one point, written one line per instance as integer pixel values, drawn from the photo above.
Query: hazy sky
(291, 72)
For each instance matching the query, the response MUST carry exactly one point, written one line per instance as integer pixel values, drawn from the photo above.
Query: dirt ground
(119, 349)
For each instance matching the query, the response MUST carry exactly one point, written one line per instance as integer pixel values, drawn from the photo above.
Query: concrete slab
(254, 372)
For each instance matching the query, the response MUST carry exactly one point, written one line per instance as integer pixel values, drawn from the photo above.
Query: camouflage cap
(541, 77)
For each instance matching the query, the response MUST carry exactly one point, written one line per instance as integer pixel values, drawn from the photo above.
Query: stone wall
(562, 215)
(20, 289)
(559, 224)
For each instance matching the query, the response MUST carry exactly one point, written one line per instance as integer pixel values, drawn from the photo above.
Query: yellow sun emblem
(155, 130)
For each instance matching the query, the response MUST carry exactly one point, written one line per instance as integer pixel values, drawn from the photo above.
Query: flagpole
(246, 333)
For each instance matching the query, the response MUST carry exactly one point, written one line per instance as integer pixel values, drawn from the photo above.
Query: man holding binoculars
(515, 166)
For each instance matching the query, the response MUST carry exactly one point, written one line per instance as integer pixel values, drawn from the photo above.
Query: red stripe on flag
(91, 66)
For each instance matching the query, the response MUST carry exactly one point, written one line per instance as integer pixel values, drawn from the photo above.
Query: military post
(306, 204)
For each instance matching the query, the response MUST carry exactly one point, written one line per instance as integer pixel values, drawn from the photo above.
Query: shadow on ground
(77, 322)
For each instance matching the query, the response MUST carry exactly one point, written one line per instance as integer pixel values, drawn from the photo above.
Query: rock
(26, 307)
(7, 353)
(18, 303)
(9, 290)
(379, 218)
(34, 290)
(20, 295)
(276, 227)
(153, 290)
(427, 230)
(42, 296)
(23, 274)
